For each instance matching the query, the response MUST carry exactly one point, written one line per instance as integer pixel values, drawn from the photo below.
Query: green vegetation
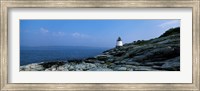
(171, 31)
(103, 58)
(140, 42)
(50, 64)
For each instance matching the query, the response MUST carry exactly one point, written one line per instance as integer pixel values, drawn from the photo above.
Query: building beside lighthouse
(119, 42)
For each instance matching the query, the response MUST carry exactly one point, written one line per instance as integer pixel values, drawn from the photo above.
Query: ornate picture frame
(7, 4)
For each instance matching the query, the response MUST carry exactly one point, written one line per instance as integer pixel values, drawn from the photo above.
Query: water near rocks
(30, 55)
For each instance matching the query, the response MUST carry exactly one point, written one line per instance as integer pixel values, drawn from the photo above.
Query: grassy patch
(50, 64)
(171, 31)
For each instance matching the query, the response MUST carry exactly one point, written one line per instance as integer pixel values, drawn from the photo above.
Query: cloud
(61, 33)
(58, 33)
(79, 35)
(169, 23)
(43, 30)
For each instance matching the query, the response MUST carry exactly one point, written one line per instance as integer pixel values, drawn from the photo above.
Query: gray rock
(133, 63)
(140, 58)
(172, 64)
(100, 69)
(144, 68)
(90, 65)
(129, 69)
(123, 61)
(53, 69)
(90, 61)
(121, 69)
(80, 66)
(102, 57)
(32, 67)
(117, 62)
(71, 68)
(112, 65)
(156, 67)
(102, 62)
(60, 68)
(110, 60)
(154, 63)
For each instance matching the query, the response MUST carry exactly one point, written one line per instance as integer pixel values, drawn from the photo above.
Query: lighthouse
(119, 42)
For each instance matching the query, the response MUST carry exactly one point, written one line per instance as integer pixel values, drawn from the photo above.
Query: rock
(50, 64)
(133, 63)
(80, 67)
(71, 68)
(48, 69)
(154, 63)
(90, 65)
(90, 61)
(110, 60)
(67, 65)
(143, 68)
(140, 58)
(102, 62)
(53, 69)
(32, 67)
(119, 53)
(100, 69)
(54, 66)
(112, 65)
(167, 41)
(129, 69)
(123, 61)
(60, 68)
(65, 68)
(156, 67)
(120, 69)
(117, 62)
(172, 64)
(103, 57)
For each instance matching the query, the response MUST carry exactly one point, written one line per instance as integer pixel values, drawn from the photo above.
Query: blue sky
(94, 33)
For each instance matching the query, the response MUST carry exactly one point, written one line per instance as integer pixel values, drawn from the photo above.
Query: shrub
(141, 42)
(171, 31)
(50, 64)
(103, 58)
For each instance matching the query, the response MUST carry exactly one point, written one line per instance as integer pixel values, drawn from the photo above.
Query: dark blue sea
(62, 53)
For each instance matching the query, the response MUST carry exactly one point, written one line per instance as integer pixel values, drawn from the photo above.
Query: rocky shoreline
(170, 65)
(158, 54)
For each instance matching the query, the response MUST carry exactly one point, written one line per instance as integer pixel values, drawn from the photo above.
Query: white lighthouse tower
(119, 42)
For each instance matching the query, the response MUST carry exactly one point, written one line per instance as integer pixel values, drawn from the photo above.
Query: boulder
(154, 63)
(172, 64)
(32, 67)
(100, 69)
(120, 68)
(133, 63)
(102, 57)
(143, 68)
(71, 68)
(90, 61)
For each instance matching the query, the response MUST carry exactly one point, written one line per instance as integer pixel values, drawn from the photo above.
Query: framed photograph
(99, 45)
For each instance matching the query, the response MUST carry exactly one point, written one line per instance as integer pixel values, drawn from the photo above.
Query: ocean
(30, 55)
